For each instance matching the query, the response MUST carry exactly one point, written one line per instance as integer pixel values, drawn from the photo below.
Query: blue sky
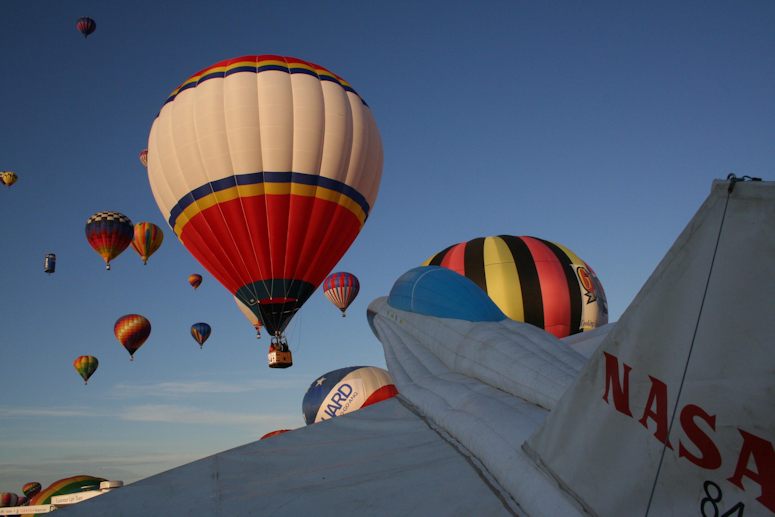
(599, 126)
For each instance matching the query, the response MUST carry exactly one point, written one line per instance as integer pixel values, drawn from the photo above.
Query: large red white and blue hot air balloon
(266, 167)
(341, 289)
(346, 390)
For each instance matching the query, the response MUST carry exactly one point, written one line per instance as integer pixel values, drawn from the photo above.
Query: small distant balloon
(195, 280)
(274, 433)
(50, 263)
(109, 233)
(85, 26)
(31, 489)
(131, 331)
(200, 332)
(86, 365)
(341, 289)
(144, 157)
(147, 239)
(8, 499)
(8, 178)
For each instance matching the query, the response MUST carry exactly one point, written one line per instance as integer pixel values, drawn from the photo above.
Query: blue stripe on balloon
(265, 177)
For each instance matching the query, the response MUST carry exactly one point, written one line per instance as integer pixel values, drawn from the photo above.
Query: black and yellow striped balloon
(531, 280)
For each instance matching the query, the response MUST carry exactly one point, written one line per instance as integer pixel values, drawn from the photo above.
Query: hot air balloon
(86, 365)
(8, 499)
(531, 280)
(195, 280)
(346, 390)
(266, 167)
(147, 239)
(109, 233)
(341, 289)
(131, 331)
(8, 178)
(274, 433)
(22, 501)
(31, 489)
(250, 315)
(49, 263)
(200, 332)
(70, 485)
(144, 157)
(85, 26)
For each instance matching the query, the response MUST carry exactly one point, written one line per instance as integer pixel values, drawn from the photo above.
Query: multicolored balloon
(341, 289)
(86, 26)
(274, 433)
(250, 315)
(147, 239)
(109, 233)
(22, 501)
(131, 331)
(266, 167)
(143, 156)
(346, 390)
(8, 499)
(195, 280)
(8, 178)
(70, 485)
(532, 280)
(31, 489)
(200, 332)
(86, 365)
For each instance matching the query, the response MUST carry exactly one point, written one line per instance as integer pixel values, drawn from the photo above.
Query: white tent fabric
(380, 460)
(675, 412)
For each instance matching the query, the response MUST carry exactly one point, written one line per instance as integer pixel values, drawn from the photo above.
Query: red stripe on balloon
(554, 288)
(384, 393)
(455, 258)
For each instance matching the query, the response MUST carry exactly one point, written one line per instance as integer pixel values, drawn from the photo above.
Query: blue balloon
(200, 332)
(440, 292)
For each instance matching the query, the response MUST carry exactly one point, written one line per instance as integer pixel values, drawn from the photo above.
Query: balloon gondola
(266, 168)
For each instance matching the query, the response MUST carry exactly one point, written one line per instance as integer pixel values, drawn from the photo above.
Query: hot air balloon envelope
(531, 280)
(86, 365)
(200, 332)
(346, 390)
(109, 233)
(147, 239)
(8, 178)
(31, 489)
(86, 26)
(143, 156)
(195, 280)
(341, 289)
(266, 167)
(131, 331)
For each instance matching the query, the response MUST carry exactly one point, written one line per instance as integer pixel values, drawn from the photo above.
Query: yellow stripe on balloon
(503, 284)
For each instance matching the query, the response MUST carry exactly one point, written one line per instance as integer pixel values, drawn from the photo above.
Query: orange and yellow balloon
(8, 178)
(86, 365)
(147, 239)
(195, 280)
(132, 330)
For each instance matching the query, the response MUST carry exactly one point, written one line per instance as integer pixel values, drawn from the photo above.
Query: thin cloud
(47, 412)
(169, 413)
(183, 388)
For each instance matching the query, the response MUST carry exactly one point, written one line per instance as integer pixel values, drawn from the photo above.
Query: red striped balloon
(131, 331)
(532, 280)
(341, 288)
(86, 26)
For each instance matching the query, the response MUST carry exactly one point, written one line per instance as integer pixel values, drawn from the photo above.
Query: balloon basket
(278, 359)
